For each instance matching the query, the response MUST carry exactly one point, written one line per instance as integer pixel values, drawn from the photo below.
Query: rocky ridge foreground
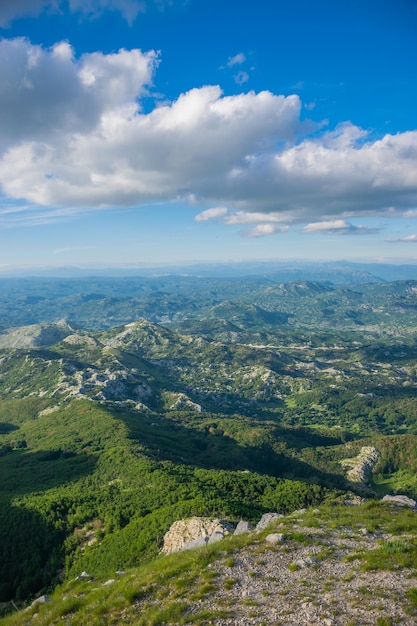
(304, 573)
(334, 565)
(310, 584)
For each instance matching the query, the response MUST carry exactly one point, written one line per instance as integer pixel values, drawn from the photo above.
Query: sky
(178, 131)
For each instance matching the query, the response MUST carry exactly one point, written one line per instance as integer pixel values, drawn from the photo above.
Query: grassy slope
(175, 589)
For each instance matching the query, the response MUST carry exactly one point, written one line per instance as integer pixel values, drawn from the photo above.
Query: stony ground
(306, 569)
(308, 579)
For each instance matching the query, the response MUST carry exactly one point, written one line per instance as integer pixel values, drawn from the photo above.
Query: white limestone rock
(275, 538)
(194, 532)
(401, 500)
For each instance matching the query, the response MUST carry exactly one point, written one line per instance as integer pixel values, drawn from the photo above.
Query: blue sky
(159, 131)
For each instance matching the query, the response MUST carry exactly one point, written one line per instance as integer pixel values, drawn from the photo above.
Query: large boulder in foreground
(193, 532)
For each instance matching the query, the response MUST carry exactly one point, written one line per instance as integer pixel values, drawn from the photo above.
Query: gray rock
(302, 563)
(41, 600)
(299, 512)
(401, 500)
(196, 543)
(274, 538)
(267, 519)
(243, 527)
(217, 536)
(353, 500)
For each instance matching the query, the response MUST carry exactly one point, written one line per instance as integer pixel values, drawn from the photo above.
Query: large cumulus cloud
(74, 134)
(46, 95)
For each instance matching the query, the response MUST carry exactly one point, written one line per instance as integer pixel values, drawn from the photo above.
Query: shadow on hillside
(211, 448)
(24, 472)
(31, 544)
(392, 354)
(6, 428)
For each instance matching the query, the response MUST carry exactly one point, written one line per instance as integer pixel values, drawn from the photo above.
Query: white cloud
(13, 9)
(128, 8)
(72, 134)
(337, 227)
(245, 217)
(72, 249)
(84, 141)
(310, 106)
(27, 215)
(266, 223)
(262, 230)
(341, 173)
(328, 226)
(407, 239)
(410, 213)
(241, 77)
(237, 59)
(46, 94)
(210, 214)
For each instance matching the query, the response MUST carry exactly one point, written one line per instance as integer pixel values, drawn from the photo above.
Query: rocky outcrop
(359, 468)
(200, 531)
(181, 402)
(401, 500)
(194, 532)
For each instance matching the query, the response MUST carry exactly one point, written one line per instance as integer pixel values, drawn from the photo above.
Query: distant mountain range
(340, 272)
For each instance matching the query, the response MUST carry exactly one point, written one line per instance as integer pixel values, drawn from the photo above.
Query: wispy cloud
(337, 227)
(241, 77)
(29, 215)
(246, 217)
(266, 223)
(237, 59)
(407, 239)
(130, 9)
(210, 214)
(262, 230)
(71, 249)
